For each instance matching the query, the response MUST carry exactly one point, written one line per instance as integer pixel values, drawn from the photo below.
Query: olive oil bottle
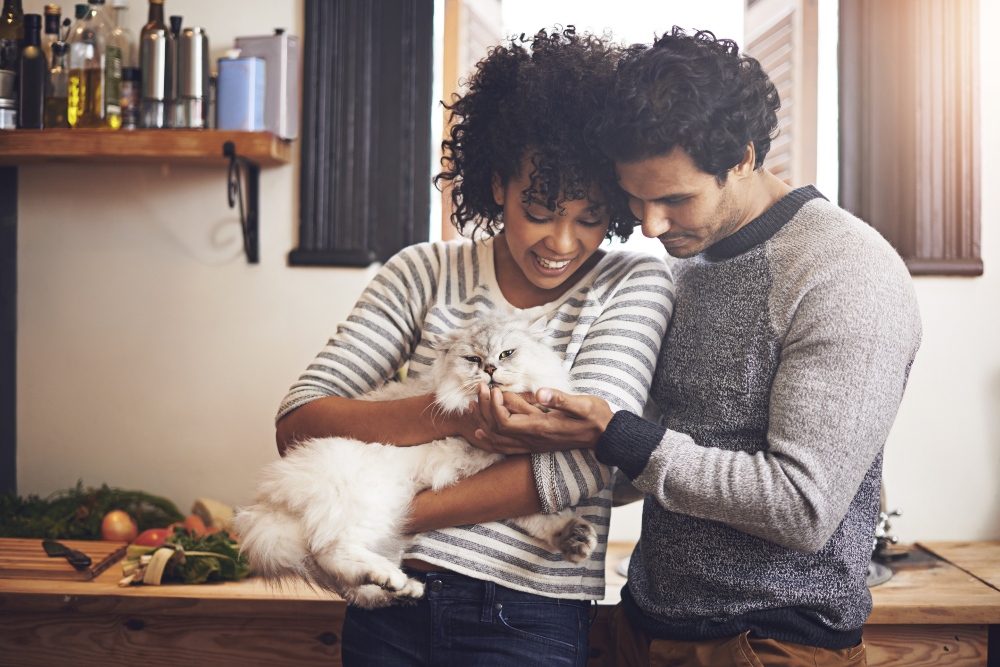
(94, 97)
(57, 88)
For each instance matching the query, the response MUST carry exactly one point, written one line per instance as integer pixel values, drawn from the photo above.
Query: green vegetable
(201, 559)
(76, 514)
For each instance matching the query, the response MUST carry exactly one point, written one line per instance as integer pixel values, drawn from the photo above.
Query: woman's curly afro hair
(534, 99)
(693, 91)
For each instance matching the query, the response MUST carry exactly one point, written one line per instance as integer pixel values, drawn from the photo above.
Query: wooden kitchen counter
(932, 612)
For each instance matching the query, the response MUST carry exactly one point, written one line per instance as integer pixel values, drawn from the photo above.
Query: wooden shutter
(471, 27)
(367, 80)
(781, 34)
(909, 128)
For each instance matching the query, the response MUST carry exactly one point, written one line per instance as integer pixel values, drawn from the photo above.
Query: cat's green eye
(474, 360)
(506, 353)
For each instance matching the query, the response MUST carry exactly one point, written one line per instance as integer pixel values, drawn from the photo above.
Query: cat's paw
(389, 579)
(576, 540)
(369, 597)
(412, 591)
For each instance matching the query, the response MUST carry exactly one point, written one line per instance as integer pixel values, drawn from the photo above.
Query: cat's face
(502, 351)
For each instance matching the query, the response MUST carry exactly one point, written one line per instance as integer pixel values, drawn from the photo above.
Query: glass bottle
(111, 102)
(32, 75)
(95, 67)
(11, 36)
(57, 89)
(53, 16)
(157, 62)
(83, 56)
(125, 39)
(130, 53)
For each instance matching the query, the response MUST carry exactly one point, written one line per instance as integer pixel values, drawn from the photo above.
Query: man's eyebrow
(674, 196)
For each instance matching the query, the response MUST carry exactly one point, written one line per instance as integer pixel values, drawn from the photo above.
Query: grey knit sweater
(778, 381)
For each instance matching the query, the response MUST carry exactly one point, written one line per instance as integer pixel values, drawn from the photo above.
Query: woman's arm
(402, 422)
(502, 491)
(369, 347)
(632, 304)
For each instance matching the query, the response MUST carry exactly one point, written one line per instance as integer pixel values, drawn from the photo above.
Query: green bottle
(11, 35)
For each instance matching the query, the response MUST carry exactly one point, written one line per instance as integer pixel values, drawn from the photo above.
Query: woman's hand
(462, 424)
(509, 424)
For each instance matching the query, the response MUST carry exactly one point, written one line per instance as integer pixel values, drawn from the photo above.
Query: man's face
(679, 203)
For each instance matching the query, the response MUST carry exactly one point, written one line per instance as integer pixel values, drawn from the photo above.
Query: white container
(283, 56)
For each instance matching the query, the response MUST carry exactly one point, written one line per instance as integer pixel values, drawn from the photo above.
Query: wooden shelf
(202, 147)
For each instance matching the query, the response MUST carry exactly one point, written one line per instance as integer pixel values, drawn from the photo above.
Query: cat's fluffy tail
(272, 541)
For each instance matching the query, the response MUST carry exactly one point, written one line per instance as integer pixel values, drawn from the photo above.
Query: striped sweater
(608, 328)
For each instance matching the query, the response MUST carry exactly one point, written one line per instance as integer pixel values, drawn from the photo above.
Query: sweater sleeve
(379, 334)
(844, 361)
(616, 361)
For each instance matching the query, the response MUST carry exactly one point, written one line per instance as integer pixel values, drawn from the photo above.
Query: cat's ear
(443, 340)
(537, 329)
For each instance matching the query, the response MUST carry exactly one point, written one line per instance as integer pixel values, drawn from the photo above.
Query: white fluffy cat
(331, 511)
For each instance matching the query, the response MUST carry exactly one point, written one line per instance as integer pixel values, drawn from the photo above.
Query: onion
(118, 526)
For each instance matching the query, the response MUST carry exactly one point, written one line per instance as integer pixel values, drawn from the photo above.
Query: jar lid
(7, 103)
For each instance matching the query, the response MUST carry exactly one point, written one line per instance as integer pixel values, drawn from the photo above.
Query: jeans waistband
(447, 585)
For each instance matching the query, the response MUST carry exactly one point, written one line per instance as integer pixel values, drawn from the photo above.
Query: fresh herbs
(186, 558)
(76, 514)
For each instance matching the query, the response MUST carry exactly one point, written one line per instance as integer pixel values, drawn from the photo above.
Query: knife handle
(78, 559)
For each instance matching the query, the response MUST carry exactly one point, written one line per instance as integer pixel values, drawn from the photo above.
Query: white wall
(151, 356)
(942, 463)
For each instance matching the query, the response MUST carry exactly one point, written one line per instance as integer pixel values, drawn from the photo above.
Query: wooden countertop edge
(965, 600)
(956, 552)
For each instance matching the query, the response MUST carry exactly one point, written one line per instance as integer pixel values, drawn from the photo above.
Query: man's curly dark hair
(534, 98)
(692, 91)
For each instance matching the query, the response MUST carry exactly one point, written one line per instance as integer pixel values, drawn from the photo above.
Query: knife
(77, 559)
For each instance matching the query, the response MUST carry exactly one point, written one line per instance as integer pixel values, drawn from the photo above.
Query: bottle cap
(131, 74)
(32, 22)
(81, 11)
(53, 9)
(96, 2)
(120, 4)
(59, 48)
(175, 24)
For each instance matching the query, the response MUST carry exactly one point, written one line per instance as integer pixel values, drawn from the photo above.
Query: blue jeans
(465, 622)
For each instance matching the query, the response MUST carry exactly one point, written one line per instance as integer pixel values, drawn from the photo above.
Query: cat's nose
(490, 368)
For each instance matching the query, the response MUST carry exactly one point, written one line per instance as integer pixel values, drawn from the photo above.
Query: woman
(542, 200)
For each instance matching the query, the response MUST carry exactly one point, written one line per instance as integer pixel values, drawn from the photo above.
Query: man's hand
(509, 424)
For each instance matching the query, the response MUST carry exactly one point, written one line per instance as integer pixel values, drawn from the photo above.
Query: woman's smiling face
(552, 249)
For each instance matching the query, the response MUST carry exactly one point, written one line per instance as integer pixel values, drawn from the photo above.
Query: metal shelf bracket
(249, 220)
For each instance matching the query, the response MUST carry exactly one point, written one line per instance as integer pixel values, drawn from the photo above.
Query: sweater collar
(764, 226)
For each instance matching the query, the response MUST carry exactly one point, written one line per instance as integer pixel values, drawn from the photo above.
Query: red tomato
(153, 537)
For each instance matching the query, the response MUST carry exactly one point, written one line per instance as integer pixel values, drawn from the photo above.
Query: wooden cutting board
(26, 559)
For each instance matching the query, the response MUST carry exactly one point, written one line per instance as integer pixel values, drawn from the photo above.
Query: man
(793, 333)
